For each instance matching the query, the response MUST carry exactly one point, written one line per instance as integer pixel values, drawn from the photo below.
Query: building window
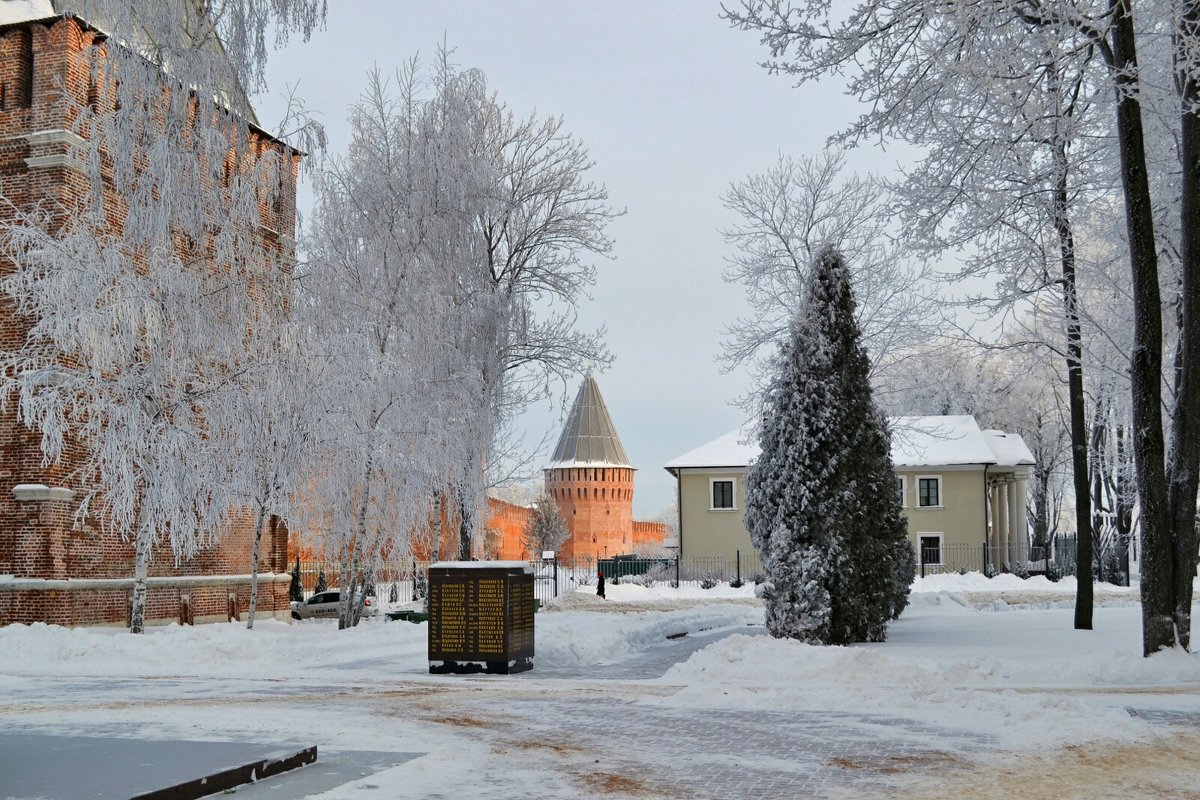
(901, 494)
(929, 491)
(722, 494)
(929, 546)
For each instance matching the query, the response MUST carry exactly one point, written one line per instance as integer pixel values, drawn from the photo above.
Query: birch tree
(268, 429)
(400, 320)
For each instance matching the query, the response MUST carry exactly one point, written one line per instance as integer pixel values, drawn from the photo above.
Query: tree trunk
(1185, 428)
(1075, 396)
(434, 551)
(254, 551)
(1098, 448)
(141, 571)
(464, 530)
(348, 579)
(1158, 628)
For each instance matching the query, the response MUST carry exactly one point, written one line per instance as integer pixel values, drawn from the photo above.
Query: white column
(1016, 525)
(1002, 523)
(993, 553)
(1019, 519)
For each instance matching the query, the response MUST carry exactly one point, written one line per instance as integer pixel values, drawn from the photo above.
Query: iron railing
(405, 581)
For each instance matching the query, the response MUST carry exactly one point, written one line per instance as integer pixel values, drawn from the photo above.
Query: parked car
(325, 605)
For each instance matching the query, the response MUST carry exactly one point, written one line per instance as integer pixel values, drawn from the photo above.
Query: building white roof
(1010, 449)
(735, 449)
(916, 442)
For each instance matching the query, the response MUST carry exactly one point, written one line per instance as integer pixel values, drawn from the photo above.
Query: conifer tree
(321, 584)
(296, 589)
(821, 504)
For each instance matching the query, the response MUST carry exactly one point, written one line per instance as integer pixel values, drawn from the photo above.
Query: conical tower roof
(589, 438)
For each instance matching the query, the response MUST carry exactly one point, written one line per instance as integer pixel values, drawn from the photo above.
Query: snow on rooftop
(916, 442)
(929, 441)
(1010, 449)
(735, 449)
(15, 11)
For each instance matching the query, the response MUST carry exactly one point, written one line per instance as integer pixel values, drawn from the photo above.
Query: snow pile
(947, 664)
(581, 638)
(275, 650)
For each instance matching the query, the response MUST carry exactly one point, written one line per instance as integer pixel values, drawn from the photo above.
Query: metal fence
(405, 581)
(1058, 559)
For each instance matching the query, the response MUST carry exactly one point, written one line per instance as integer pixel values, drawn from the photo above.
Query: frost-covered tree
(546, 528)
(404, 328)
(821, 503)
(267, 429)
(544, 222)
(784, 216)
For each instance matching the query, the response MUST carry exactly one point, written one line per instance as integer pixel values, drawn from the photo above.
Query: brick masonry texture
(39, 539)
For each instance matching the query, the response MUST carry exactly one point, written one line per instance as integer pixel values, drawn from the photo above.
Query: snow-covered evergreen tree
(296, 588)
(821, 505)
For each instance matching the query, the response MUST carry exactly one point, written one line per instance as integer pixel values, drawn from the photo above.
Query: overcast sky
(673, 106)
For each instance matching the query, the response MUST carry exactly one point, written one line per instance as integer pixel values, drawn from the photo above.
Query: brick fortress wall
(52, 570)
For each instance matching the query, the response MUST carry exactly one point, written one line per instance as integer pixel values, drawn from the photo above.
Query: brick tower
(592, 480)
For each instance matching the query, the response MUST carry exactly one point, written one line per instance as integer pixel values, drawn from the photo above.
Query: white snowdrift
(1025, 678)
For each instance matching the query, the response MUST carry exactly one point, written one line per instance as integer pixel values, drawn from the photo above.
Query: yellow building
(962, 489)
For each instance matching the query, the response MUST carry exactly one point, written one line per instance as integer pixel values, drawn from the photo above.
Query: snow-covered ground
(975, 680)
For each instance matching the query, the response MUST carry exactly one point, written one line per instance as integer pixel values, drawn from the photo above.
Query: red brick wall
(38, 539)
(509, 521)
(648, 534)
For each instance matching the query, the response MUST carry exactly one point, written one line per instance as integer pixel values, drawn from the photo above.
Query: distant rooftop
(589, 438)
(916, 442)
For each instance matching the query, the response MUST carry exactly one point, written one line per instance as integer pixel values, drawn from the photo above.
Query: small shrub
(990, 571)
(1053, 573)
(759, 579)
(1021, 570)
(645, 580)
(737, 583)
(962, 570)
(708, 582)
(394, 594)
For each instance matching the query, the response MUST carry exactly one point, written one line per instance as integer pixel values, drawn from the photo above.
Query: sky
(673, 107)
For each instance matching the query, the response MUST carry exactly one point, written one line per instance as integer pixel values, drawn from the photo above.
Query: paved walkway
(702, 753)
